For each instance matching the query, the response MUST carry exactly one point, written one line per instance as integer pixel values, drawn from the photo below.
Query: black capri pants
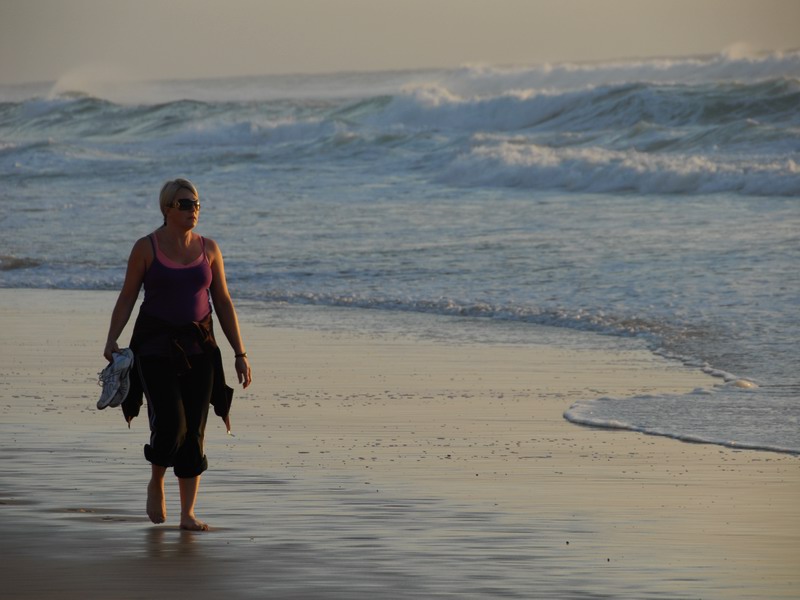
(178, 409)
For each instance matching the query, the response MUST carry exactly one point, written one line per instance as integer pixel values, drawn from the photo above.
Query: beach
(369, 464)
(555, 195)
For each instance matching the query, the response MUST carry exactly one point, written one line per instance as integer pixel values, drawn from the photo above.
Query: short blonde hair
(170, 189)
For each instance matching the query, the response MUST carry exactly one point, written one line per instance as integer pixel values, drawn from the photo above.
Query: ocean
(655, 203)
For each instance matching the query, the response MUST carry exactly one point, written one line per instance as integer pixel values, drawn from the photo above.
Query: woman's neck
(176, 235)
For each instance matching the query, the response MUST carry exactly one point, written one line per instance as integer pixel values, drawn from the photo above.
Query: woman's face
(181, 216)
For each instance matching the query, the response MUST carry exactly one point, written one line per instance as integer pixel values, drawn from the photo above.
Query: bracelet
(242, 355)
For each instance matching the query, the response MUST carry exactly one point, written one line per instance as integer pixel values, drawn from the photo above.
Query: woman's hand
(110, 349)
(243, 371)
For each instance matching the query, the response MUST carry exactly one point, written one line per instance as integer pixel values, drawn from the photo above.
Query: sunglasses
(186, 204)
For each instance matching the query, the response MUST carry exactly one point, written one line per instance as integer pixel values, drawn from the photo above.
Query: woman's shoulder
(211, 245)
(143, 247)
(211, 249)
(143, 242)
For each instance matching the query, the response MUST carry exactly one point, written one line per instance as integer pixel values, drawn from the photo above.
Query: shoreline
(387, 459)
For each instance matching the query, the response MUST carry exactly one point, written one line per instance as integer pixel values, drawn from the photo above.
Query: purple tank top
(177, 293)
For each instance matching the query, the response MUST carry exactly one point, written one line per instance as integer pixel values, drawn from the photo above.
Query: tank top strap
(157, 254)
(203, 247)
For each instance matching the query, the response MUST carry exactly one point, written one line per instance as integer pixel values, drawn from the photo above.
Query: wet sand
(371, 465)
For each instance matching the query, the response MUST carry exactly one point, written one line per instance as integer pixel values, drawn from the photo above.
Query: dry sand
(371, 465)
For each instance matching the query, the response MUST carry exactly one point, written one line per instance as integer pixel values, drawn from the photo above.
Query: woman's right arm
(134, 276)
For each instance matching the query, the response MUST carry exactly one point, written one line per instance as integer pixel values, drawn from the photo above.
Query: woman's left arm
(226, 313)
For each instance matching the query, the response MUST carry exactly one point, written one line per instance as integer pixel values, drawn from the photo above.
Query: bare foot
(156, 502)
(192, 523)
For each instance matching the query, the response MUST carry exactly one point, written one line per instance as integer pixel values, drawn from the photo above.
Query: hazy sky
(42, 40)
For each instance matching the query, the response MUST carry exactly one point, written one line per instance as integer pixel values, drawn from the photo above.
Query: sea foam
(601, 170)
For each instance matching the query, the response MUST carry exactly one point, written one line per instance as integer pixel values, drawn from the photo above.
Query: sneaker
(124, 385)
(115, 379)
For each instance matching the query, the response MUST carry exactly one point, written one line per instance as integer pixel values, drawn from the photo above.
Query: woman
(176, 356)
